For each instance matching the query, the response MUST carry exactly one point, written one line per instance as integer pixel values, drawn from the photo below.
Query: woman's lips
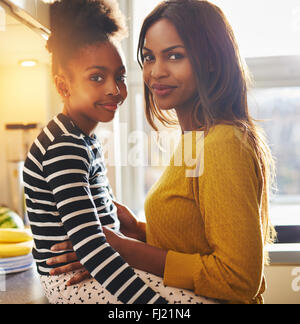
(162, 90)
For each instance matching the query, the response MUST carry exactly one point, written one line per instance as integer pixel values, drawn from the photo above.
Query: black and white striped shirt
(68, 197)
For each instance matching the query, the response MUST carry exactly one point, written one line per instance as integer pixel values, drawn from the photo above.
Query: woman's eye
(148, 58)
(175, 56)
(96, 78)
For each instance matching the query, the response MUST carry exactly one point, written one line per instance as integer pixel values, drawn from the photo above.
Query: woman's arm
(130, 225)
(138, 254)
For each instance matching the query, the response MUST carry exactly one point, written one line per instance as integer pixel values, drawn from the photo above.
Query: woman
(213, 226)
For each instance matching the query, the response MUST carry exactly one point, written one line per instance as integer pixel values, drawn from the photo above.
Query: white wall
(26, 96)
(283, 284)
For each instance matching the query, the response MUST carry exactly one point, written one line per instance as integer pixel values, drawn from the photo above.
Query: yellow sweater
(210, 222)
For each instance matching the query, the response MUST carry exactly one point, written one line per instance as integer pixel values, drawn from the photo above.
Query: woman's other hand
(130, 226)
(71, 261)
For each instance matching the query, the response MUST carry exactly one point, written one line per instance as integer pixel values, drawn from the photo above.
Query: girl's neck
(85, 125)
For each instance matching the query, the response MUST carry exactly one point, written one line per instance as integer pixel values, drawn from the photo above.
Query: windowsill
(285, 214)
(284, 254)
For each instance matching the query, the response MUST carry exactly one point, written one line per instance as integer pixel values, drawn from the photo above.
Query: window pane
(262, 28)
(140, 10)
(160, 147)
(280, 108)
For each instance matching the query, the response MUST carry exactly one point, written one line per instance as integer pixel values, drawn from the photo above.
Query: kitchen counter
(25, 287)
(22, 288)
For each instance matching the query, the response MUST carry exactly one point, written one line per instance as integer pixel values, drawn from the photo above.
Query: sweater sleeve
(66, 168)
(228, 195)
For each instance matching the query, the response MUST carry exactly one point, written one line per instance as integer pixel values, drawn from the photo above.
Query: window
(262, 28)
(279, 107)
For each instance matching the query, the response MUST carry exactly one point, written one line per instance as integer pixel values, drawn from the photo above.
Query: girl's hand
(130, 226)
(72, 264)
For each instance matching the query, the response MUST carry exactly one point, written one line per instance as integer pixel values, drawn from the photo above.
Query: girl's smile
(113, 107)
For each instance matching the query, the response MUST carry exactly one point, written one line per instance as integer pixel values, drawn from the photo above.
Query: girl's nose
(112, 88)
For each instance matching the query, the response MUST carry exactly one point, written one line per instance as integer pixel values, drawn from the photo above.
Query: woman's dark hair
(75, 24)
(221, 77)
(220, 73)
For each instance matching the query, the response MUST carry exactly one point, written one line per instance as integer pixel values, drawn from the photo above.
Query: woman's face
(167, 69)
(96, 86)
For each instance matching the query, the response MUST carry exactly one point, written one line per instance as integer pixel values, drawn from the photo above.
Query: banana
(11, 235)
(10, 250)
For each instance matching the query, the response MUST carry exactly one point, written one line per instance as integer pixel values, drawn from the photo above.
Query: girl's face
(168, 72)
(96, 85)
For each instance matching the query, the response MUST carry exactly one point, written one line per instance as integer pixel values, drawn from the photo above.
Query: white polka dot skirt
(91, 292)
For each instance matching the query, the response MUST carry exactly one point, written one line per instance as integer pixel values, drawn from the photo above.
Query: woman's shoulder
(226, 134)
(225, 137)
(223, 132)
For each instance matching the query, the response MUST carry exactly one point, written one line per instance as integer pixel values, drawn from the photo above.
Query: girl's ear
(61, 86)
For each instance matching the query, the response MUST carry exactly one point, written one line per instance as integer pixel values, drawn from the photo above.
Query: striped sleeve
(66, 168)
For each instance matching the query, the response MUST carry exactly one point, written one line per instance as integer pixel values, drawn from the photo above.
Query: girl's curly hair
(78, 23)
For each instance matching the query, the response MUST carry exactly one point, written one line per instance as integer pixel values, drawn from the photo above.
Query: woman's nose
(159, 70)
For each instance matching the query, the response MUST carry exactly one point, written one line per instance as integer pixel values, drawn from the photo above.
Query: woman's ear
(61, 86)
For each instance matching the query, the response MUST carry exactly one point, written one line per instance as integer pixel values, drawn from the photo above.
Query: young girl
(68, 196)
(213, 225)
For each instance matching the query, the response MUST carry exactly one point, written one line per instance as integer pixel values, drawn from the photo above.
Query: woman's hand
(133, 252)
(130, 226)
(137, 254)
(71, 259)
(72, 264)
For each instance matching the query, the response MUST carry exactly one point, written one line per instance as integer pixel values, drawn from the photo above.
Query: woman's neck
(186, 120)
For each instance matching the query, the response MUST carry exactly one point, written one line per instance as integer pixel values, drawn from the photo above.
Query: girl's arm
(130, 227)
(138, 254)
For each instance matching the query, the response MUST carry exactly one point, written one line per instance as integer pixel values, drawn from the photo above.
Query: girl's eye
(122, 78)
(96, 78)
(175, 56)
